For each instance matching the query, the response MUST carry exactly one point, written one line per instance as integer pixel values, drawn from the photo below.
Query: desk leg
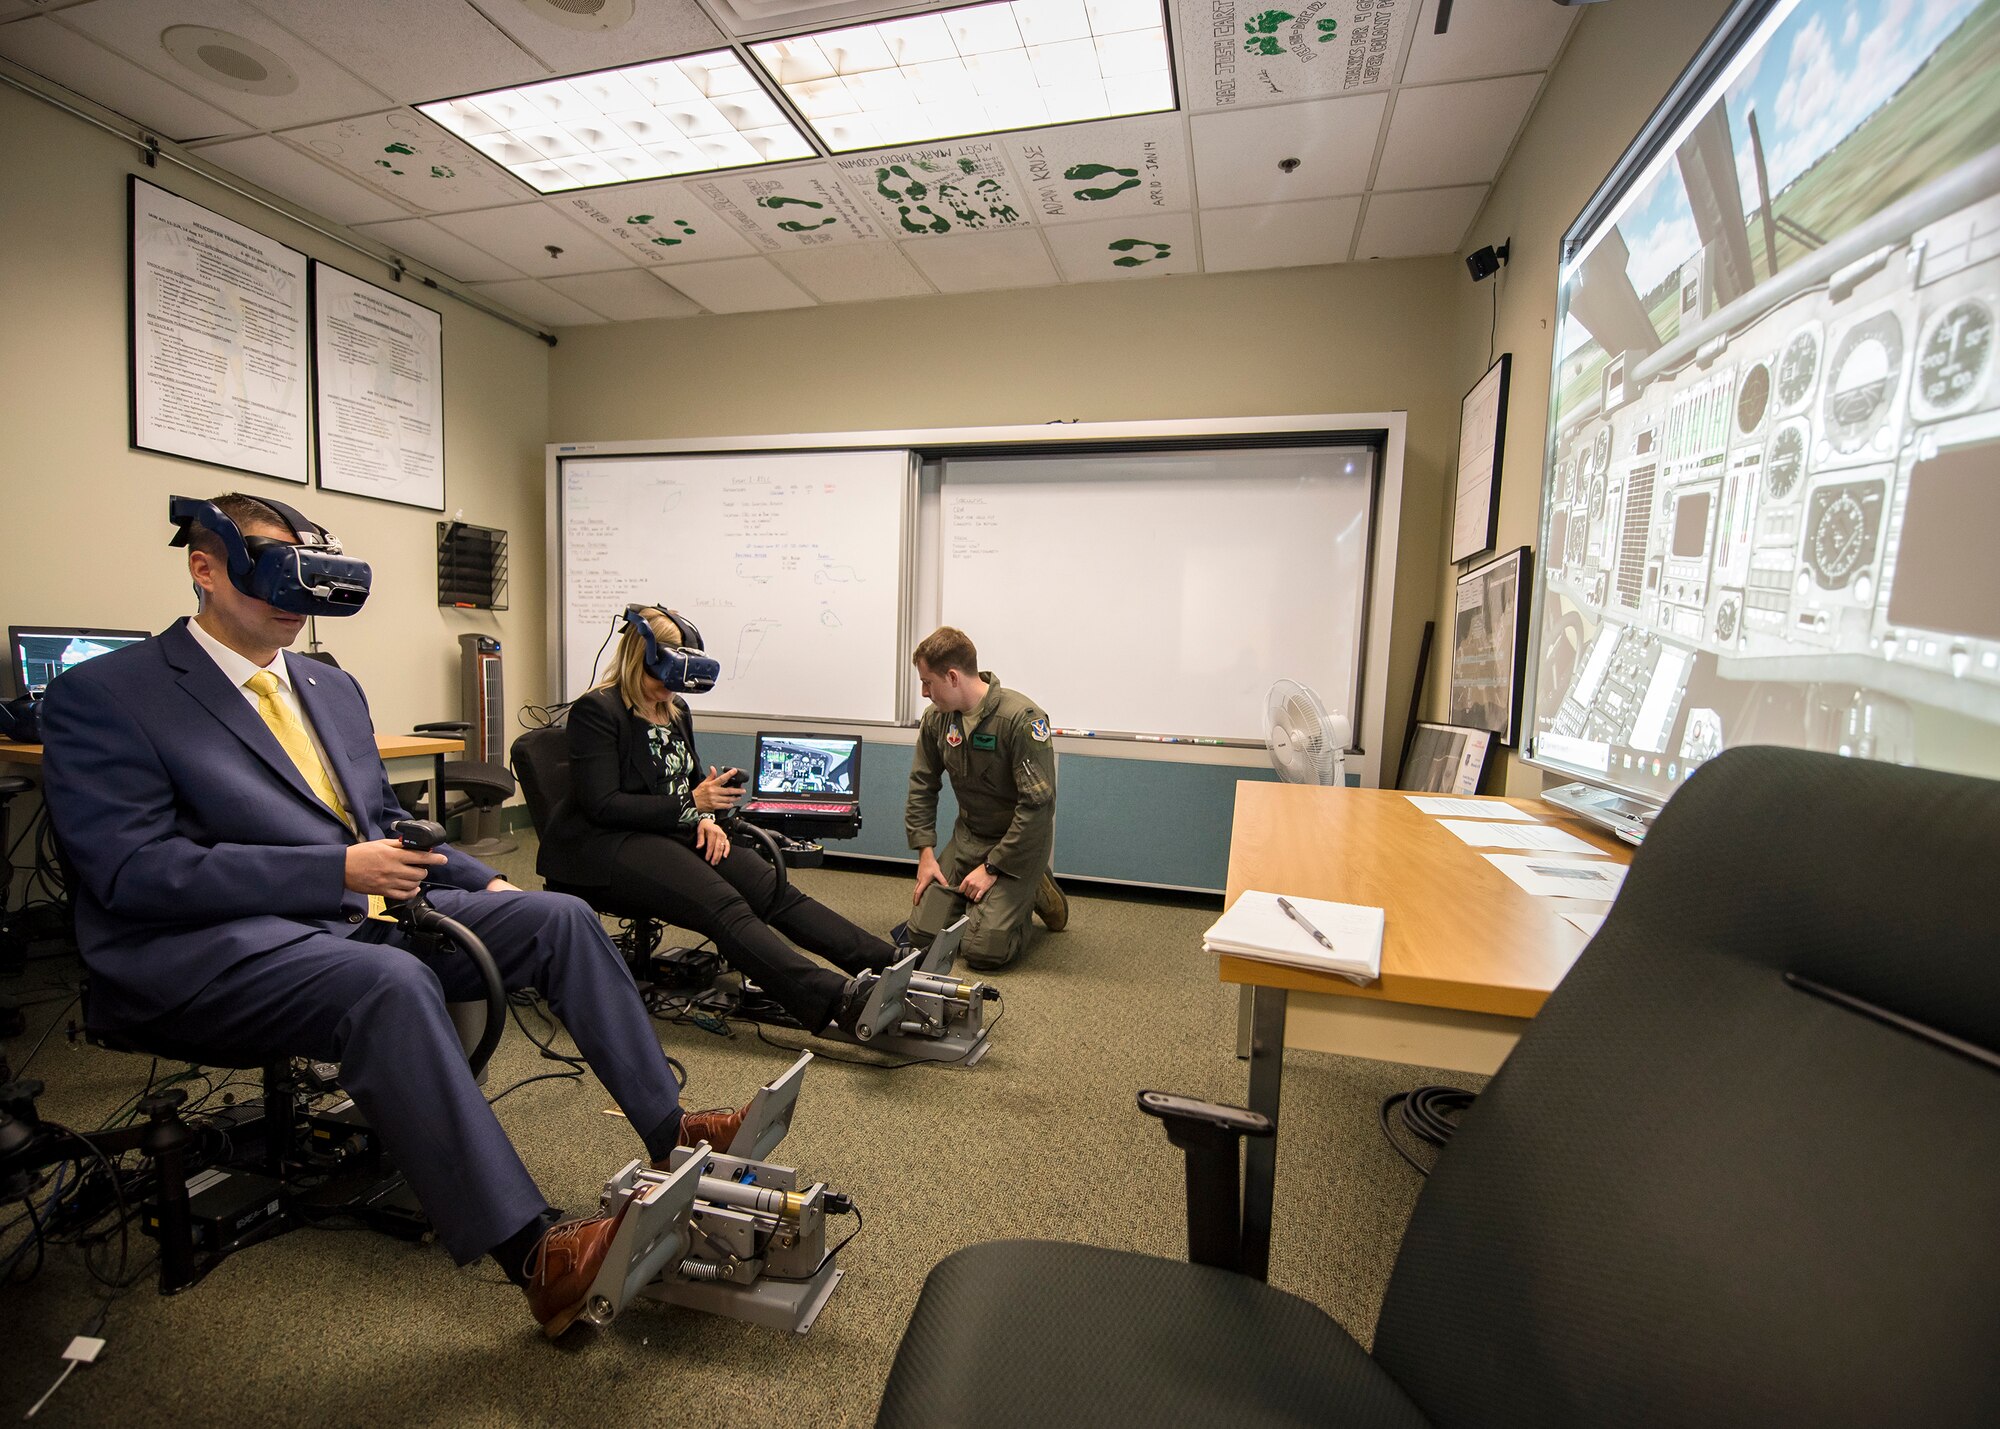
(1260, 1167)
(1245, 996)
(437, 788)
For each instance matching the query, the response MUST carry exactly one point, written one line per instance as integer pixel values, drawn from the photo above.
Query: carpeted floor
(343, 1326)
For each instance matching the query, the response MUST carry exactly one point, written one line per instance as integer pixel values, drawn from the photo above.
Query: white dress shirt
(238, 670)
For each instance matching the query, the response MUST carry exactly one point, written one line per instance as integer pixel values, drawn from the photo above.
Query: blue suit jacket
(198, 842)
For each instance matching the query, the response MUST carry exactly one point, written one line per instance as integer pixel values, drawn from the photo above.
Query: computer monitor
(813, 767)
(42, 652)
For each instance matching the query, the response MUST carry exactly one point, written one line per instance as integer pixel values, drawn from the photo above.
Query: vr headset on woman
(311, 578)
(682, 668)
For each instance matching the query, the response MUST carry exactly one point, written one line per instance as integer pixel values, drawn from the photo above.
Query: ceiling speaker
(581, 14)
(228, 60)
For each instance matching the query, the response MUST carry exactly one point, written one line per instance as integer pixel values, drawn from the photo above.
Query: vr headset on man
(310, 578)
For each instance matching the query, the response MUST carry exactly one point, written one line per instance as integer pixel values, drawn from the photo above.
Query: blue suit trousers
(379, 1010)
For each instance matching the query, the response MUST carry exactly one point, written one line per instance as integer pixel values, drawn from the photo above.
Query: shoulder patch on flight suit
(1039, 728)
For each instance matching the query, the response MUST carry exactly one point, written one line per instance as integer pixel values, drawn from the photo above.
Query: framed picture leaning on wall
(1488, 646)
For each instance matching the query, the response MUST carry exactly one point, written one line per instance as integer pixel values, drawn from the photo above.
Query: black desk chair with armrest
(1744, 1168)
(473, 789)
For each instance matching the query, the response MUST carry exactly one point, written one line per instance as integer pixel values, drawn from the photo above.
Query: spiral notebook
(1256, 927)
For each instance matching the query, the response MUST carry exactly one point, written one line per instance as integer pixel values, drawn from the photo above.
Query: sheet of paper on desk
(1481, 834)
(1470, 809)
(1589, 922)
(1256, 927)
(1551, 876)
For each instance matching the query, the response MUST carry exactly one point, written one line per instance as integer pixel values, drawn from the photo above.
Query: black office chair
(1744, 1168)
(474, 790)
(540, 760)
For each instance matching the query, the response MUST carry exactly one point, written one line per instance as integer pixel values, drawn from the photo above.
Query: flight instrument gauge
(1861, 381)
(1752, 399)
(1843, 521)
(1797, 368)
(1955, 356)
(1785, 463)
(1597, 497)
(1600, 451)
(1566, 479)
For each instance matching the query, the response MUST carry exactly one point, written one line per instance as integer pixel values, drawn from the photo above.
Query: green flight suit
(1003, 774)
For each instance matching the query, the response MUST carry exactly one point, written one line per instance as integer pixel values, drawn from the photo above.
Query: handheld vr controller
(313, 577)
(682, 668)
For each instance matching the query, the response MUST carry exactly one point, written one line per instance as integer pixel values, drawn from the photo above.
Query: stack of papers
(1256, 927)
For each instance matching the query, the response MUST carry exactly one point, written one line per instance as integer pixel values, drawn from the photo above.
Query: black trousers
(732, 902)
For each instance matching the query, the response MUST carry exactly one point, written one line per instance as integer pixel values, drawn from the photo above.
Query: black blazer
(615, 790)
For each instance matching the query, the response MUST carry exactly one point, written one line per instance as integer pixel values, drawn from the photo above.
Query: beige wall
(1351, 338)
(83, 528)
(1619, 64)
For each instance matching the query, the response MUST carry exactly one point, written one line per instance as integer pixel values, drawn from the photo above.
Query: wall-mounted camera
(1487, 261)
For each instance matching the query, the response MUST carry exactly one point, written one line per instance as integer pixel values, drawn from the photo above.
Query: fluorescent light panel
(646, 121)
(1018, 64)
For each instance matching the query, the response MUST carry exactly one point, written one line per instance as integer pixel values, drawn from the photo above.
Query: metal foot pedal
(943, 951)
(653, 1236)
(885, 1002)
(769, 1115)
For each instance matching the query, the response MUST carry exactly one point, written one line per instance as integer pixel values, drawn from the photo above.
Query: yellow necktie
(291, 735)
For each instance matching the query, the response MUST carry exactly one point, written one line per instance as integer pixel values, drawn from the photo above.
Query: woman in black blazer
(640, 818)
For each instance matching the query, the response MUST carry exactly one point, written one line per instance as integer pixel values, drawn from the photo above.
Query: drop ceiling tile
(1278, 235)
(979, 261)
(319, 88)
(411, 50)
(451, 255)
(790, 209)
(1237, 56)
(291, 175)
(1453, 133)
(1411, 225)
(1487, 37)
(1147, 246)
(1236, 156)
(411, 159)
(1088, 171)
(538, 303)
(959, 186)
(15, 9)
(655, 28)
(523, 234)
(857, 273)
(624, 296)
(113, 81)
(738, 285)
(653, 224)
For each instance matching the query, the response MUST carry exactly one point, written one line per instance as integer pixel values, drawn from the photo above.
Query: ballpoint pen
(1300, 919)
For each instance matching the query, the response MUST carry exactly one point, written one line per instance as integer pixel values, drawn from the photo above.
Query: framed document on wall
(217, 321)
(1489, 645)
(1482, 433)
(378, 392)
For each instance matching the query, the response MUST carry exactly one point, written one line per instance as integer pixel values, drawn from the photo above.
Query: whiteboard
(790, 563)
(1161, 593)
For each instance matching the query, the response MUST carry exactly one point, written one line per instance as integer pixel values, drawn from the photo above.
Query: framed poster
(1488, 645)
(1482, 433)
(378, 392)
(217, 336)
(1445, 759)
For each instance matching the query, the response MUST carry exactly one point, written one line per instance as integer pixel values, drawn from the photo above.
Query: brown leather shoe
(562, 1266)
(717, 1127)
(1051, 904)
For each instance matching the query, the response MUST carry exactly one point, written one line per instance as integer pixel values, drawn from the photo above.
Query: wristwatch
(992, 870)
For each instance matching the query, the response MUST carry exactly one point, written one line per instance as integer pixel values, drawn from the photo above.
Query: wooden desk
(414, 756)
(1467, 956)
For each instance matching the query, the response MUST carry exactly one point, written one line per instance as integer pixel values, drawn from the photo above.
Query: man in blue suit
(228, 813)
